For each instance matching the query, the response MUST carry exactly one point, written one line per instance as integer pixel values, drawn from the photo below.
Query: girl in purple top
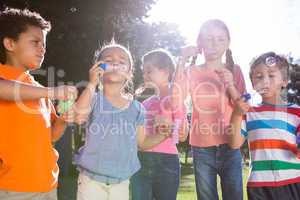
(160, 169)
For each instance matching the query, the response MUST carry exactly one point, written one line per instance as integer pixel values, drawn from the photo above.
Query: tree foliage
(80, 27)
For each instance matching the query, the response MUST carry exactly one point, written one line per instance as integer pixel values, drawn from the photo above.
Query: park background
(81, 26)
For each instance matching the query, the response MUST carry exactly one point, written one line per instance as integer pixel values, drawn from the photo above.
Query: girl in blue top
(114, 129)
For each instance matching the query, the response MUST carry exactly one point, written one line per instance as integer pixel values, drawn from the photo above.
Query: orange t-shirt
(28, 162)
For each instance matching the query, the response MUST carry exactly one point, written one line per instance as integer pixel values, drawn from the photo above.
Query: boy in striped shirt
(271, 129)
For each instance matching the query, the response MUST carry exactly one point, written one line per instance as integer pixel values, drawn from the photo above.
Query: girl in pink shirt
(213, 87)
(160, 172)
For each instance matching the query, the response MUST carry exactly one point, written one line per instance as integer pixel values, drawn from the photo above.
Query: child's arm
(180, 82)
(183, 132)
(238, 87)
(58, 127)
(227, 77)
(298, 141)
(233, 92)
(84, 102)
(163, 131)
(59, 124)
(236, 139)
(16, 91)
(180, 90)
(149, 141)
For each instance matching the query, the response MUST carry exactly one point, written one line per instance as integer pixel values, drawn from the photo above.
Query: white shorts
(88, 189)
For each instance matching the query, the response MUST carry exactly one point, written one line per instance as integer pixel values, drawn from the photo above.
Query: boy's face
(29, 49)
(268, 81)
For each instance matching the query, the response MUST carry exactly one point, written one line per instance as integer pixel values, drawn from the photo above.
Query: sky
(256, 26)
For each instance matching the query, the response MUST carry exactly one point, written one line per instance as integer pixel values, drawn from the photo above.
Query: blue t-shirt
(110, 151)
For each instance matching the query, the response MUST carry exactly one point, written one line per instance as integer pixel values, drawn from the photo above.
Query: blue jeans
(158, 177)
(221, 160)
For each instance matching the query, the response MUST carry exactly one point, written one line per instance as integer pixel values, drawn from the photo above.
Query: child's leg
(141, 182)
(166, 177)
(89, 189)
(119, 191)
(141, 187)
(230, 171)
(205, 170)
(52, 195)
(289, 192)
(261, 193)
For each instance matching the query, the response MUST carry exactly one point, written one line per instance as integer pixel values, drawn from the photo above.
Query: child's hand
(80, 119)
(241, 107)
(63, 92)
(189, 51)
(95, 73)
(183, 132)
(163, 129)
(68, 116)
(82, 116)
(226, 77)
(163, 126)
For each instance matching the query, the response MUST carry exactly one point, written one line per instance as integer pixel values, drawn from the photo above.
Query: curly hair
(14, 21)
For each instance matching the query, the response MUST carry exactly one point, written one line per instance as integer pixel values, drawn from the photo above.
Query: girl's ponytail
(229, 60)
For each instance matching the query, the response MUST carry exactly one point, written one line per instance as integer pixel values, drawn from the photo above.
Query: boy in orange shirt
(29, 125)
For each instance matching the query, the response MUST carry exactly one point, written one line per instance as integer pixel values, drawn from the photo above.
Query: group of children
(128, 142)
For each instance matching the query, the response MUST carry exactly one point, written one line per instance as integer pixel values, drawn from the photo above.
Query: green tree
(79, 28)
